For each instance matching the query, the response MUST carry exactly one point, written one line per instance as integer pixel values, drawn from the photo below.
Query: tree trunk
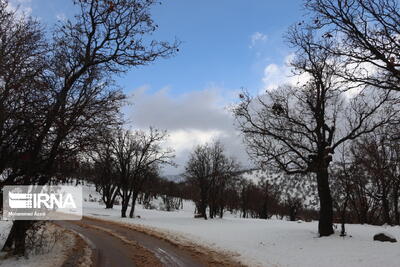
(364, 215)
(211, 211)
(396, 205)
(10, 239)
(203, 202)
(123, 211)
(109, 205)
(343, 218)
(386, 209)
(343, 228)
(292, 213)
(124, 203)
(125, 198)
(132, 212)
(203, 210)
(325, 227)
(17, 237)
(264, 209)
(108, 201)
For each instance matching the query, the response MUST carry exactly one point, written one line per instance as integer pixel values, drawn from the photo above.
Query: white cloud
(257, 37)
(191, 118)
(276, 75)
(186, 139)
(21, 6)
(61, 17)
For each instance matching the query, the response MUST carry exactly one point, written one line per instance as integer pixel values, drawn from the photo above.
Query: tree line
(364, 183)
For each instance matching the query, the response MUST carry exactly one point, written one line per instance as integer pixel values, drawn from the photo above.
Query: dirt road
(115, 244)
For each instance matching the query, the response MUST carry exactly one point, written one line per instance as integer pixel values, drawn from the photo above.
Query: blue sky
(216, 40)
(226, 45)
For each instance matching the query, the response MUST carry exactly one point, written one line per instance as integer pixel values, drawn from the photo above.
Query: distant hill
(177, 178)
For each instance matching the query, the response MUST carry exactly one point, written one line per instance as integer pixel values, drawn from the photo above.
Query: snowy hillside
(177, 178)
(294, 186)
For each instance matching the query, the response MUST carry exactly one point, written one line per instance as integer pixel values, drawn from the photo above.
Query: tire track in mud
(119, 244)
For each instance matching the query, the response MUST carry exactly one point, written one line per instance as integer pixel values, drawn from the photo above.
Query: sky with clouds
(226, 45)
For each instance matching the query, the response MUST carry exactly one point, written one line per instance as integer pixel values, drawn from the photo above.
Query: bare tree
(64, 93)
(379, 157)
(367, 34)
(210, 170)
(296, 192)
(342, 186)
(102, 169)
(258, 196)
(138, 155)
(22, 62)
(248, 193)
(297, 129)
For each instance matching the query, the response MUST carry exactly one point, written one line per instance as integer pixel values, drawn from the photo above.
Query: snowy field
(266, 242)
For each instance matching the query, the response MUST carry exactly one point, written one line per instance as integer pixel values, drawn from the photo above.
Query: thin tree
(209, 170)
(379, 157)
(138, 155)
(102, 169)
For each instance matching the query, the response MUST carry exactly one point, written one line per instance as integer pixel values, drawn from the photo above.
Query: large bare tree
(296, 129)
(22, 62)
(63, 89)
(367, 34)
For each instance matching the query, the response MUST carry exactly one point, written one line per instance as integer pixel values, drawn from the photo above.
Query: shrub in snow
(149, 206)
(41, 238)
(170, 203)
(92, 199)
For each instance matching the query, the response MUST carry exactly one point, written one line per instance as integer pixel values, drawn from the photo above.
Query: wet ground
(114, 244)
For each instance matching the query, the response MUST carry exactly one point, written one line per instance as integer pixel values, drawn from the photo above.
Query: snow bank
(57, 251)
(268, 242)
(5, 227)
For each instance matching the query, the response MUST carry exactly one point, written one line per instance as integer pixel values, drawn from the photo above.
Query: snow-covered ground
(5, 227)
(265, 242)
(55, 250)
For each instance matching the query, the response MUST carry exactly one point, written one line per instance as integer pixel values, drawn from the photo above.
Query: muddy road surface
(115, 244)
